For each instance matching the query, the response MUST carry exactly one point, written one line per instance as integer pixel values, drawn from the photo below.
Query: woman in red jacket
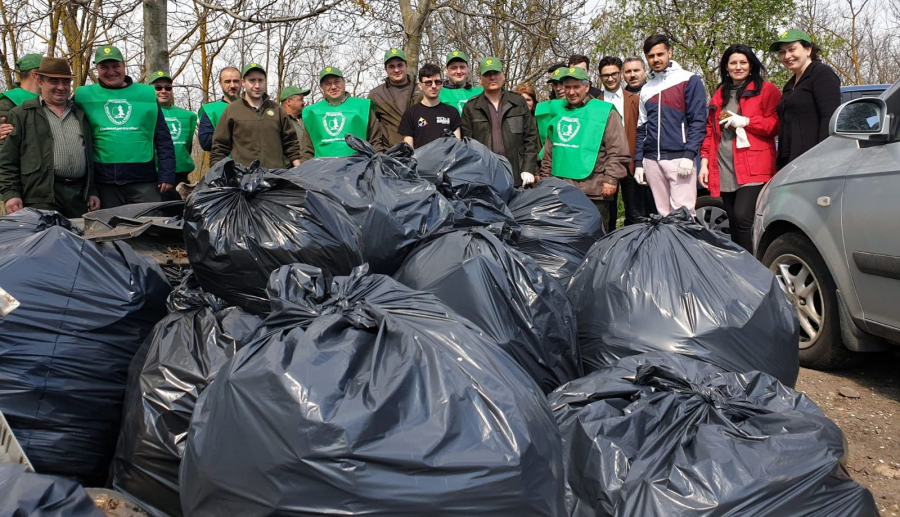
(738, 153)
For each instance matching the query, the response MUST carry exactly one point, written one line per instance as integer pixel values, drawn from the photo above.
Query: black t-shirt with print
(426, 124)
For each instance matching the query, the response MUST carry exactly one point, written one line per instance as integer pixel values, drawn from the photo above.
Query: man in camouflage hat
(181, 124)
(134, 159)
(330, 120)
(457, 89)
(256, 127)
(393, 97)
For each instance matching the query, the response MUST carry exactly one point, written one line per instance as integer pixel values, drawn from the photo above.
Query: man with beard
(210, 113)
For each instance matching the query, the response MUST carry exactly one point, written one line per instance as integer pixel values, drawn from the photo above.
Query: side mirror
(866, 118)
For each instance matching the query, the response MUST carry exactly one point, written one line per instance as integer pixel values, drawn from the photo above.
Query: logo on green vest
(334, 122)
(174, 127)
(567, 128)
(118, 111)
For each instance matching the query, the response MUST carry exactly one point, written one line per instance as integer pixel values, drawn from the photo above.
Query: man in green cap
(545, 112)
(457, 89)
(134, 159)
(330, 120)
(293, 100)
(256, 127)
(181, 124)
(46, 160)
(27, 89)
(211, 112)
(586, 144)
(393, 97)
(501, 120)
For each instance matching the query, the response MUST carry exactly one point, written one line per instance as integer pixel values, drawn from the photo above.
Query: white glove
(527, 179)
(685, 167)
(741, 140)
(735, 121)
(639, 175)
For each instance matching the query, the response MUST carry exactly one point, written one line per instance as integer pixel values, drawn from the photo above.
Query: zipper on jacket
(659, 126)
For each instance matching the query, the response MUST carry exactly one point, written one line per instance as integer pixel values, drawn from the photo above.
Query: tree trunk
(156, 51)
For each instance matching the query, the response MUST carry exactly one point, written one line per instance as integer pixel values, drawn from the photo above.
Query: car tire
(711, 214)
(805, 278)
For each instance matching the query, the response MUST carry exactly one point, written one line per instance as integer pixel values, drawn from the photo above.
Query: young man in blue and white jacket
(671, 127)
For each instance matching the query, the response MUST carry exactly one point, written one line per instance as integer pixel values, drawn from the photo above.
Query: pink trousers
(671, 191)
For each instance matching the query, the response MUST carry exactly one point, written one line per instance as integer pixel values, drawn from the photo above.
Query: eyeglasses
(161, 88)
(432, 82)
(609, 76)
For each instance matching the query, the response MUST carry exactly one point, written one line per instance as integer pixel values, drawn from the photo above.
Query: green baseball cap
(292, 90)
(156, 76)
(457, 55)
(790, 36)
(575, 72)
(330, 70)
(251, 66)
(395, 52)
(107, 53)
(489, 64)
(29, 62)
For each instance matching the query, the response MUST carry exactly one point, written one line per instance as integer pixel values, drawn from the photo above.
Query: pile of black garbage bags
(405, 333)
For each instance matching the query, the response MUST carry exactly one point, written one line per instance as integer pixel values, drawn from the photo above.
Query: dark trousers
(607, 208)
(637, 198)
(740, 206)
(112, 196)
(68, 199)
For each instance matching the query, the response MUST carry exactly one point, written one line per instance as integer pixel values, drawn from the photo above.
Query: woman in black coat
(808, 99)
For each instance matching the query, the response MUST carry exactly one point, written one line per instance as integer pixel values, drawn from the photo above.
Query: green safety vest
(576, 136)
(544, 113)
(214, 111)
(123, 121)
(458, 97)
(18, 95)
(181, 124)
(327, 125)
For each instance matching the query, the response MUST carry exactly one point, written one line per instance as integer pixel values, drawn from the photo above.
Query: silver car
(827, 226)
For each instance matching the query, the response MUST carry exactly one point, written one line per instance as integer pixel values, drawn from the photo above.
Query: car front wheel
(803, 275)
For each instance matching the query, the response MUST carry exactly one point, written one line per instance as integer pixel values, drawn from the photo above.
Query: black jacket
(805, 110)
(520, 135)
(123, 173)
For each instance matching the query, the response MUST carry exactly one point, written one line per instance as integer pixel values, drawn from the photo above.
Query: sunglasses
(161, 88)
(432, 83)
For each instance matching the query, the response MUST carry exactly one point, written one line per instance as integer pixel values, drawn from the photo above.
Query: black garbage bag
(24, 494)
(665, 435)
(248, 222)
(672, 285)
(559, 224)
(463, 165)
(370, 399)
(181, 357)
(394, 208)
(506, 294)
(85, 309)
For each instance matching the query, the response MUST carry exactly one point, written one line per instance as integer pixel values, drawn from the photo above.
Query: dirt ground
(870, 422)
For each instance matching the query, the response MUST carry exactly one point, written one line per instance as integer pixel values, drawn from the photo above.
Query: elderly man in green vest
(181, 124)
(134, 159)
(211, 112)
(256, 127)
(546, 111)
(27, 89)
(330, 120)
(586, 144)
(457, 89)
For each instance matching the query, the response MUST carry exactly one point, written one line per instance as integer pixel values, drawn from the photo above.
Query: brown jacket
(390, 102)
(374, 135)
(632, 108)
(248, 134)
(612, 159)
